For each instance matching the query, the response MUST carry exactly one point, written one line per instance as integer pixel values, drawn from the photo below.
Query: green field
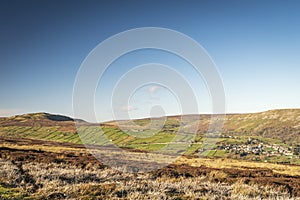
(277, 127)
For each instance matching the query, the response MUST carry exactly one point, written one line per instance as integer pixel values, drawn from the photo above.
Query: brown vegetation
(65, 181)
(75, 174)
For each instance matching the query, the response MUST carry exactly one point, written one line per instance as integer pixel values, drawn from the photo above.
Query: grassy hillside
(278, 124)
(275, 127)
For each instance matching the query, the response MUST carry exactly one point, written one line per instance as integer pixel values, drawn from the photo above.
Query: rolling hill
(274, 127)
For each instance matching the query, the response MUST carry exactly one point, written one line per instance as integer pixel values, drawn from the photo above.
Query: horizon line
(149, 117)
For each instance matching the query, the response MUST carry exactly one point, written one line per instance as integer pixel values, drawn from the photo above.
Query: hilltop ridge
(40, 118)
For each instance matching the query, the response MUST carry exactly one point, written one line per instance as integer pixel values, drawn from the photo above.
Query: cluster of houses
(256, 147)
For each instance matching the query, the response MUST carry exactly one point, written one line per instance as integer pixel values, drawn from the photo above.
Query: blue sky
(255, 45)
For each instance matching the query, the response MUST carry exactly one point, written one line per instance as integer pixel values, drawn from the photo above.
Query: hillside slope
(38, 126)
(278, 124)
(271, 127)
(281, 124)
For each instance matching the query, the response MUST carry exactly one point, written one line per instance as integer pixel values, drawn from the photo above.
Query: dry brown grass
(39, 175)
(54, 181)
(217, 176)
(221, 163)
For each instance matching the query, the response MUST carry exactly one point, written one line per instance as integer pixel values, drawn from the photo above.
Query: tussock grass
(54, 181)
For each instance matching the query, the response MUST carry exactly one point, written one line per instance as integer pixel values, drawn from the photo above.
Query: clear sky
(255, 45)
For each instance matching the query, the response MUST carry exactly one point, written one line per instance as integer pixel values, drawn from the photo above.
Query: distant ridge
(292, 111)
(41, 118)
